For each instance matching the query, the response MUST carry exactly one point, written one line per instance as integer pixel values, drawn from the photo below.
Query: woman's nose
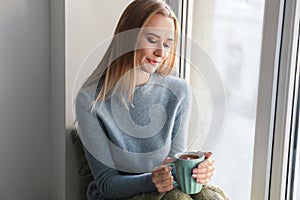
(159, 52)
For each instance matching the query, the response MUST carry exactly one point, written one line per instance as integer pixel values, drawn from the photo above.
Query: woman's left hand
(204, 171)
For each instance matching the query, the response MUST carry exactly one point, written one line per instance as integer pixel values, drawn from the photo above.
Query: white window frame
(275, 100)
(276, 96)
(182, 9)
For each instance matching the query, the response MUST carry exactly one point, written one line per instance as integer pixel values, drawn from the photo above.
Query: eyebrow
(153, 34)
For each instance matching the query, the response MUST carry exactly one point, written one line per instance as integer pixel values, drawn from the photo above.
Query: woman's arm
(110, 182)
(114, 185)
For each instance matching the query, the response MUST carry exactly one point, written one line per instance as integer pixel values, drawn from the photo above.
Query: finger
(165, 182)
(161, 170)
(203, 170)
(165, 189)
(203, 181)
(206, 163)
(203, 176)
(162, 177)
(164, 185)
(168, 160)
(207, 154)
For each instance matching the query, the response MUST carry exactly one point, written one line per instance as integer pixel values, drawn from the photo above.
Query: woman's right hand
(162, 177)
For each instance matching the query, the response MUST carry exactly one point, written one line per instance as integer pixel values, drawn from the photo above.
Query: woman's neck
(142, 77)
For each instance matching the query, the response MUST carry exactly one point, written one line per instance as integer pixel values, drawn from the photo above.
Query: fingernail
(199, 166)
(194, 175)
(195, 171)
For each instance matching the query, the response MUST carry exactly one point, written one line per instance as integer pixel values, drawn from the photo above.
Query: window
(227, 36)
(253, 45)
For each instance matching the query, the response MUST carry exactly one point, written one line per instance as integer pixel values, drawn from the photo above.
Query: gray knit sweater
(122, 144)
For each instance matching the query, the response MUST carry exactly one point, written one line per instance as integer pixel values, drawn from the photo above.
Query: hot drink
(189, 157)
(185, 163)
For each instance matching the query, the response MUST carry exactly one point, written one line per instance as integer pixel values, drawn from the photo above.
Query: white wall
(88, 23)
(25, 138)
(32, 88)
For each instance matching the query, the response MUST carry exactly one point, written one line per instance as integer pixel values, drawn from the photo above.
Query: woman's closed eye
(152, 40)
(167, 45)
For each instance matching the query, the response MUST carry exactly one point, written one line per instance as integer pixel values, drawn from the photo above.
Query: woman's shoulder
(87, 93)
(177, 86)
(174, 82)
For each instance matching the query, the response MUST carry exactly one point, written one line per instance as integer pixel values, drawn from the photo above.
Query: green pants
(207, 193)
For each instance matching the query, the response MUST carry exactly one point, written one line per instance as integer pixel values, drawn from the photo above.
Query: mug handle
(172, 164)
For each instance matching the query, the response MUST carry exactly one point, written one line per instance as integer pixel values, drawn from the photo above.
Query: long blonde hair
(120, 57)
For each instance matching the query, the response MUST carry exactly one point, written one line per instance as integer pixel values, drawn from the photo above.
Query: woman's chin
(149, 68)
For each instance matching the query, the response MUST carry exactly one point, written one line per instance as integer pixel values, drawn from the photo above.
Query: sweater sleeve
(110, 182)
(181, 124)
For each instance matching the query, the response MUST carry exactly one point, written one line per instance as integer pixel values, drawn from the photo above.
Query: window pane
(230, 31)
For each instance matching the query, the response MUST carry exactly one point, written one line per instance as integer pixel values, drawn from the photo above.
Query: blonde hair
(118, 64)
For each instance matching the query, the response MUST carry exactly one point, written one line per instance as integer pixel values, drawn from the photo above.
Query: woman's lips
(153, 62)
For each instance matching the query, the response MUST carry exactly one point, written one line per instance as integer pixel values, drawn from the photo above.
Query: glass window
(225, 35)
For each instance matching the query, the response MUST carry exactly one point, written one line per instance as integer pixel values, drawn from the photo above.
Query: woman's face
(155, 42)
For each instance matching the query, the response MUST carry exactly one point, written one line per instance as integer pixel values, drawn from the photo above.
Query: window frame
(275, 103)
(181, 9)
(277, 96)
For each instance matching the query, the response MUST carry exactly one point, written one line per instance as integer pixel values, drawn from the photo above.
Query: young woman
(132, 115)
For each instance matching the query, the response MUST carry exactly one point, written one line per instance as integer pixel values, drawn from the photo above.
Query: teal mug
(184, 164)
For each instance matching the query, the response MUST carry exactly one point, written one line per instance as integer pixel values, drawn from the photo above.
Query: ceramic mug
(184, 164)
